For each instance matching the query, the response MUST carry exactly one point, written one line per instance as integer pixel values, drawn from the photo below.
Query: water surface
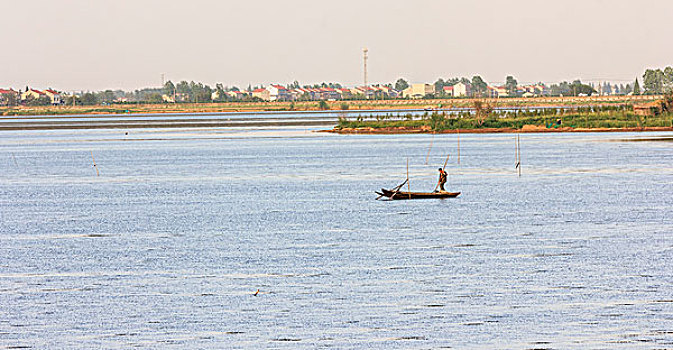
(167, 246)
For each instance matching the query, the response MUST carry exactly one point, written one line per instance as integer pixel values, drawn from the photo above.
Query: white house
(419, 90)
(278, 93)
(461, 89)
(54, 96)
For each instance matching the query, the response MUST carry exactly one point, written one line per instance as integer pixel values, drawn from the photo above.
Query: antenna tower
(365, 51)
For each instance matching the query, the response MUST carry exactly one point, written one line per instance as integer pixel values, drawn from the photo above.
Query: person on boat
(442, 179)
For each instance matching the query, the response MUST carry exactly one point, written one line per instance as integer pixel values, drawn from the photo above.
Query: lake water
(167, 246)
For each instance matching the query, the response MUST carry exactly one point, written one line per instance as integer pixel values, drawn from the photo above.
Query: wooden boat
(398, 195)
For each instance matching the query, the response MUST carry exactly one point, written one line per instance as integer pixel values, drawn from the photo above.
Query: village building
(237, 95)
(534, 90)
(32, 93)
(419, 90)
(9, 96)
(299, 94)
(497, 91)
(389, 92)
(278, 93)
(344, 93)
(262, 94)
(329, 94)
(461, 89)
(447, 91)
(54, 96)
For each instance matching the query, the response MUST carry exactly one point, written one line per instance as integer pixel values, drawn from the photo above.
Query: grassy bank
(613, 117)
(316, 105)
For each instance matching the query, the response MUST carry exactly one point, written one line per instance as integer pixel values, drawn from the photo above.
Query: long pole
(94, 164)
(517, 154)
(446, 161)
(458, 146)
(408, 185)
(518, 144)
(429, 148)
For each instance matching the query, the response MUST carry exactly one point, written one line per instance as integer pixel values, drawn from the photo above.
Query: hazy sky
(128, 44)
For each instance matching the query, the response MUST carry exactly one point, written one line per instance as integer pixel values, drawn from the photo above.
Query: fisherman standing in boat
(442, 179)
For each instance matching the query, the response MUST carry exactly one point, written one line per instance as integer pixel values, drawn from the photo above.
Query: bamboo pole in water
(94, 164)
(458, 146)
(518, 147)
(429, 148)
(408, 185)
(517, 154)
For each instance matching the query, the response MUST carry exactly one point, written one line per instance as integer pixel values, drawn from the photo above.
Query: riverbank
(484, 119)
(297, 106)
(526, 129)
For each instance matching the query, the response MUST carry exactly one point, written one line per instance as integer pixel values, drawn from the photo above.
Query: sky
(91, 45)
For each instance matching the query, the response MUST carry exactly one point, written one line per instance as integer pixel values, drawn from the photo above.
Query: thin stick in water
(14, 158)
(518, 147)
(408, 185)
(458, 146)
(94, 164)
(429, 148)
(516, 153)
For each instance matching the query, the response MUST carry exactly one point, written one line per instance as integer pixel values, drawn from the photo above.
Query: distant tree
(89, 99)
(482, 111)
(323, 105)
(106, 96)
(607, 88)
(69, 100)
(439, 86)
(183, 88)
(511, 85)
(636, 88)
(653, 81)
(478, 85)
(200, 93)
(154, 97)
(401, 84)
(627, 89)
(169, 88)
(11, 100)
(578, 88)
(221, 93)
(668, 79)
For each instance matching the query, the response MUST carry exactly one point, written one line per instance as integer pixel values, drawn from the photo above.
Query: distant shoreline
(527, 129)
(314, 106)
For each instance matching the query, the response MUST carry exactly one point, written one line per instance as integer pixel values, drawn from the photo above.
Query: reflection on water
(168, 246)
